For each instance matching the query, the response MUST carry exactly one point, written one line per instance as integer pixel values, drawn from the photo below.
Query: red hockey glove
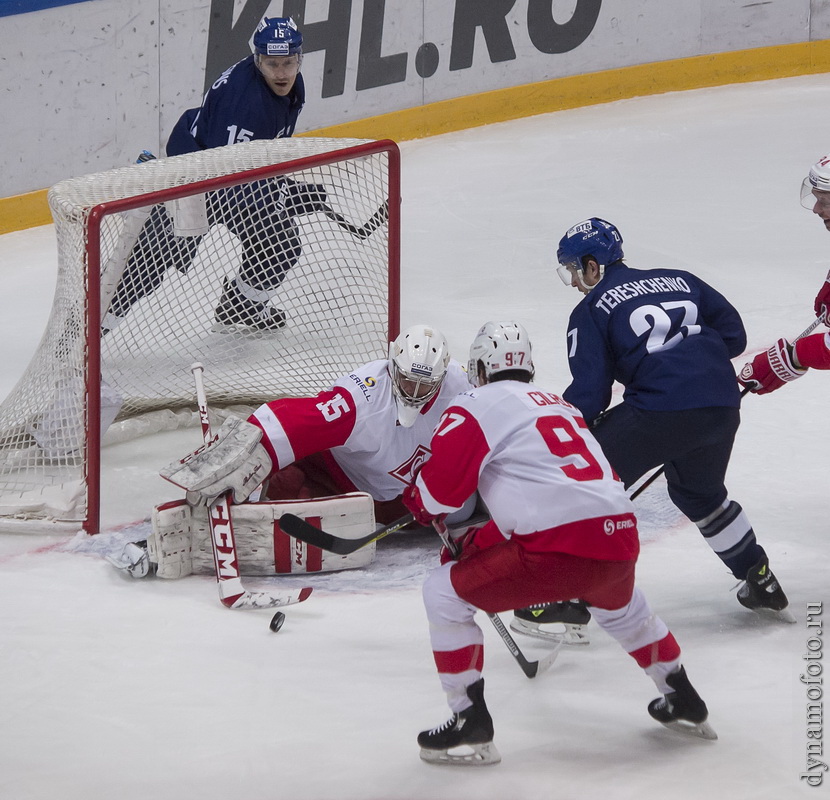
(822, 304)
(470, 540)
(412, 500)
(770, 370)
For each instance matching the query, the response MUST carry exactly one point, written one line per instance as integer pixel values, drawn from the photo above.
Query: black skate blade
(701, 730)
(572, 635)
(468, 755)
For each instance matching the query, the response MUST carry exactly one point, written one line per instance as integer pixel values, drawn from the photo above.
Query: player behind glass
(259, 97)
(668, 338)
(562, 527)
(785, 361)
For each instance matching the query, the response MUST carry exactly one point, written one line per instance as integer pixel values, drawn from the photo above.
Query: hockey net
(145, 255)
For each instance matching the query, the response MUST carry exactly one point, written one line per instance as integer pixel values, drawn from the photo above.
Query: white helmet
(418, 361)
(500, 346)
(818, 180)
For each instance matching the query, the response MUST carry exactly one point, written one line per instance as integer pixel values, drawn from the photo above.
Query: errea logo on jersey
(611, 526)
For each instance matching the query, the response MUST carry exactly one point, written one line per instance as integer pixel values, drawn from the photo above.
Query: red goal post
(148, 255)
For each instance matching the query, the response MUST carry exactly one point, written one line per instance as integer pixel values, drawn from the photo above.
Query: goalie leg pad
(264, 549)
(170, 544)
(180, 543)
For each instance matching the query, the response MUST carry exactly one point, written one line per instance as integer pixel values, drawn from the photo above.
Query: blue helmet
(593, 237)
(278, 36)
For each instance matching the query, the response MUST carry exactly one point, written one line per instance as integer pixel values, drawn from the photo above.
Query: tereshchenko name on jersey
(631, 289)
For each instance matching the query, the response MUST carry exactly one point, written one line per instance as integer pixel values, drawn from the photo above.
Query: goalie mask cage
(311, 226)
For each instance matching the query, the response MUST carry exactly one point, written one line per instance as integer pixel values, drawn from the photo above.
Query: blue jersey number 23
(655, 321)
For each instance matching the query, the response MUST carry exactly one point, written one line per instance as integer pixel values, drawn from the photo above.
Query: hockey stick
(232, 593)
(658, 472)
(305, 532)
(530, 668)
(113, 269)
(363, 231)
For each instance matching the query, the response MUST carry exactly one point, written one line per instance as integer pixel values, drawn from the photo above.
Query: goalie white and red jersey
(541, 474)
(354, 426)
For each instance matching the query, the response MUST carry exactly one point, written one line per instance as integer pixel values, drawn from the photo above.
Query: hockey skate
(237, 314)
(470, 731)
(683, 709)
(564, 622)
(134, 560)
(761, 592)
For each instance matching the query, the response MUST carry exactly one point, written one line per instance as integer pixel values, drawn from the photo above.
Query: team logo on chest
(409, 467)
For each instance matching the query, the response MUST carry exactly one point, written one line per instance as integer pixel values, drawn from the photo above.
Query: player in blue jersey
(259, 97)
(668, 338)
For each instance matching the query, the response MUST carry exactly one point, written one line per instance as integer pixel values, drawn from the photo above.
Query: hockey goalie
(343, 456)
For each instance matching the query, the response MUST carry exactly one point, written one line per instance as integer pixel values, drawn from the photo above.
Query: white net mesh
(278, 284)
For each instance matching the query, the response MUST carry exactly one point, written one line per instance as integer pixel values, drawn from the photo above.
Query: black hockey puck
(276, 621)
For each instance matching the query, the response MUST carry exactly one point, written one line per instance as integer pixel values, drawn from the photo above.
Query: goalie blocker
(180, 542)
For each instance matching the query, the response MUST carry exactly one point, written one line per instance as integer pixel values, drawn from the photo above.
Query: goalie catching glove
(771, 369)
(234, 461)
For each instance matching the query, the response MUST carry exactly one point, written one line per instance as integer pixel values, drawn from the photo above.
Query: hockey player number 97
(564, 441)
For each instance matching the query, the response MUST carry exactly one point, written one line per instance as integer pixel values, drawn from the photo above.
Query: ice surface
(115, 688)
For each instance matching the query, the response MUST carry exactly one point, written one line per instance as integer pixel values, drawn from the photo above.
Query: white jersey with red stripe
(540, 472)
(357, 421)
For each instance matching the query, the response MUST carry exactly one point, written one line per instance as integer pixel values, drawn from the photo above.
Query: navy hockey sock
(731, 536)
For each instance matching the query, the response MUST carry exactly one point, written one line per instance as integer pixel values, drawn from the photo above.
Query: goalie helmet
(818, 180)
(278, 36)
(592, 237)
(499, 347)
(418, 361)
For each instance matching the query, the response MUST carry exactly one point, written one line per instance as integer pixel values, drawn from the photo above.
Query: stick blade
(249, 600)
(232, 594)
(306, 532)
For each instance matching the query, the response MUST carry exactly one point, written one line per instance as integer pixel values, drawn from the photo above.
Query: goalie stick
(363, 231)
(658, 472)
(232, 593)
(305, 532)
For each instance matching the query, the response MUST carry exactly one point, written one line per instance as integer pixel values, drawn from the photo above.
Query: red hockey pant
(506, 577)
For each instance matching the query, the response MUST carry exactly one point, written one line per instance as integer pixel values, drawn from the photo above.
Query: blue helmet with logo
(278, 36)
(593, 237)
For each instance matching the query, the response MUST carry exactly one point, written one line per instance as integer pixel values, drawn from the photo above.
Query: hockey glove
(822, 304)
(234, 461)
(470, 539)
(412, 500)
(770, 370)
